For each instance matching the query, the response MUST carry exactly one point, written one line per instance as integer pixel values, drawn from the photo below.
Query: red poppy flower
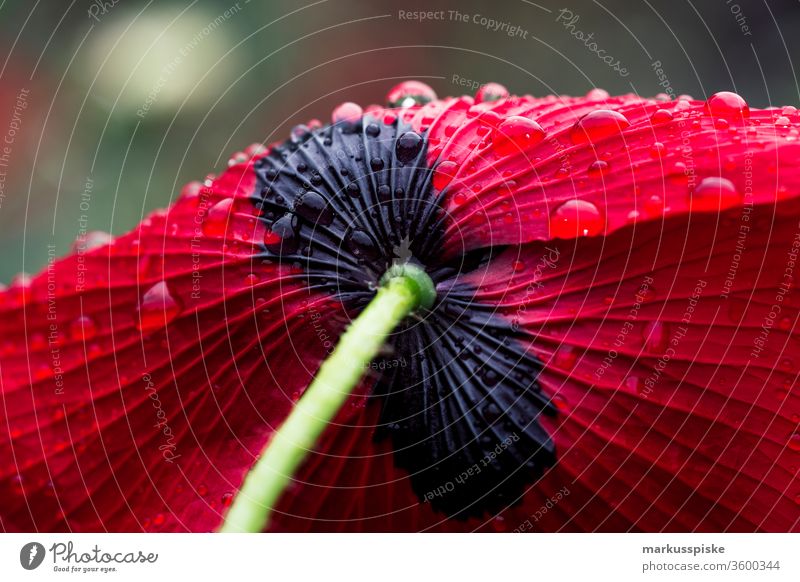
(614, 344)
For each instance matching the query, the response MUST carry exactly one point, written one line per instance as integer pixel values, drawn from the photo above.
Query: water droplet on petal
(656, 336)
(661, 116)
(560, 403)
(281, 237)
(657, 150)
(491, 92)
(216, 221)
(565, 357)
(361, 244)
(491, 413)
(444, 174)
(314, 208)
(459, 199)
(408, 146)
(348, 113)
(714, 193)
(727, 105)
(598, 169)
(92, 240)
(409, 94)
(634, 384)
(157, 308)
(794, 442)
(598, 125)
(517, 134)
(576, 218)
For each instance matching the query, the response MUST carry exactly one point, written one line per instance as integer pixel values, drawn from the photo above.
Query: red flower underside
(141, 379)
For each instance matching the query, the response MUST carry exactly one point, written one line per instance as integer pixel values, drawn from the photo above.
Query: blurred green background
(107, 108)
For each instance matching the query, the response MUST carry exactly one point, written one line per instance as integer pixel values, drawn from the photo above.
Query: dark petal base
(459, 396)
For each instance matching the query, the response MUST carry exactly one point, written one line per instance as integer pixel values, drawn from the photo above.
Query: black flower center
(458, 394)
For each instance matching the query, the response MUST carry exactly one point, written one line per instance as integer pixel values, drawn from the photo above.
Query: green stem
(403, 290)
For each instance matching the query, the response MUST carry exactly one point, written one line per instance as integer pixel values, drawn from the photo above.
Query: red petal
(672, 353)
(141, 379)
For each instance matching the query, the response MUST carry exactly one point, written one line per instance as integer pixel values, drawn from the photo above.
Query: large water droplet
(216, 221)
(444, 174)
(408, 146)
(314, 208)
(598, 125)
(656, 336)
(361, 244)
(576, 218)
(517, 134)
(491, 92)
(157, 308)
(727, 105)
(714, 193)
(348, 113)
(565, 357)
(281, 237)
(598, 169)
(92, 240)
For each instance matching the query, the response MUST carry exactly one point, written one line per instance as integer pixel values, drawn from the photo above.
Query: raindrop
(598, 169)
(314, 208)
(727, 105)
(83, 328)
(576, 218)
(655, 336)
(157, 308)
(598, 125)
(657, 150)
(491, 92)
(361, 244)
(491, 412)
(661, 116)
(217, 218)
(348, 113)
(92, 240)
(281, 237)
(409, 94)
(517, 134)
(408, 146)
